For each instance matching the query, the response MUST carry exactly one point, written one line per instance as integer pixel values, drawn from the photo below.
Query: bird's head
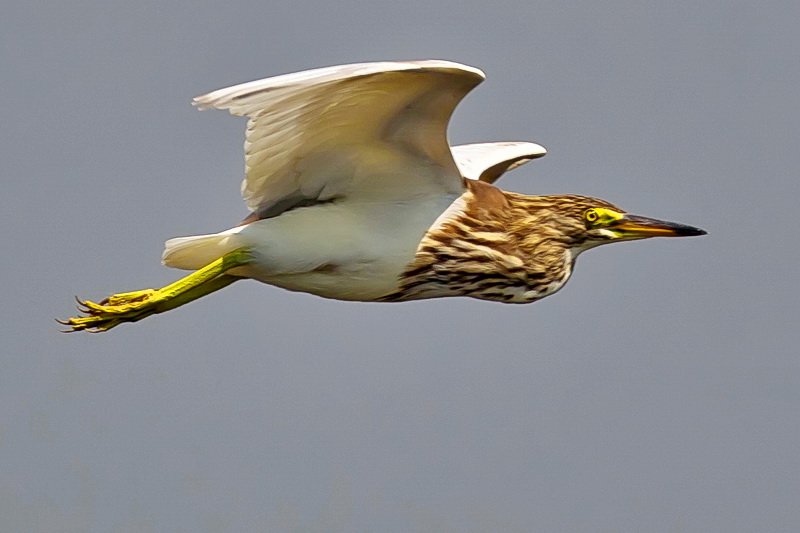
(583, 222)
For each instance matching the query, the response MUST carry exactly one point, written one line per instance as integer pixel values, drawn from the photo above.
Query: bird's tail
(195, 252)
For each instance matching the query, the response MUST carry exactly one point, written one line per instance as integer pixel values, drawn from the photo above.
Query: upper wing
(489, 161)
(374, 131)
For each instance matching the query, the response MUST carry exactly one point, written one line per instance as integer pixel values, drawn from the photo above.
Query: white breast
(348, 252)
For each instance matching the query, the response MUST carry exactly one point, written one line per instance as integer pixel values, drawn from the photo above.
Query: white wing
(489, 161)
(369, 131)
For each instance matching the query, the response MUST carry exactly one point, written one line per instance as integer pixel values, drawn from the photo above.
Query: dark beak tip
(693, 232)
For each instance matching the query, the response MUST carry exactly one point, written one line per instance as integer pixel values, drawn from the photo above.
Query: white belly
(342, 251)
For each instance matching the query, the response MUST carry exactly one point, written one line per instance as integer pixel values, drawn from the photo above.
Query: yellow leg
(136, 305)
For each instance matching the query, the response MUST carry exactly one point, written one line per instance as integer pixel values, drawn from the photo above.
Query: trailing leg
(134, 306)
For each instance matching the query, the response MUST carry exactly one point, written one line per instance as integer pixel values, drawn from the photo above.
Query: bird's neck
(540, 243)
(487, 246)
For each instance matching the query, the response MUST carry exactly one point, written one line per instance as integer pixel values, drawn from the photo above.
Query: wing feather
(488, 161)
(375, 131)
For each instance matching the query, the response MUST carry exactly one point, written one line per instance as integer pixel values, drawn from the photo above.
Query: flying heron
(355, 194)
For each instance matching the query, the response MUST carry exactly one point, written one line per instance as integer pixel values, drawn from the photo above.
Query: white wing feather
(369, 131)
(489, 161)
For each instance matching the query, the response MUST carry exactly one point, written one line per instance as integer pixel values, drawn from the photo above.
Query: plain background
(658, 391)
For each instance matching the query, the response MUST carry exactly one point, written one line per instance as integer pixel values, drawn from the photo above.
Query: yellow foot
(114, 310)
(128, 297)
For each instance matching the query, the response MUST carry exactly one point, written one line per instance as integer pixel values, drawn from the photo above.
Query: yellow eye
(591, 215)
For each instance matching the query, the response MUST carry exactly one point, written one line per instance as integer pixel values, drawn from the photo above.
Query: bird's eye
(591, 215)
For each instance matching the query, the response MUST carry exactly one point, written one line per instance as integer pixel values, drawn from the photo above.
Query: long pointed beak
(636, 227)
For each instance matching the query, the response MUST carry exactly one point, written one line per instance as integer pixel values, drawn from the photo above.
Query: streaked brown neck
(491, 245)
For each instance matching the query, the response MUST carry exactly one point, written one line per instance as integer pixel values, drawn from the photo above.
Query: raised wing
(369, 131)
(489, 161)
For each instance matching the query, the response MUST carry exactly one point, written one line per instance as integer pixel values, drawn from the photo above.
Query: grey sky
(658, 391)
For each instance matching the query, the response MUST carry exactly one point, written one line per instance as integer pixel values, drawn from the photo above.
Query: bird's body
(356, 194)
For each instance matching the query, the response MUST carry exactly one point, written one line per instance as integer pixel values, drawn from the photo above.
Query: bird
(355, 194)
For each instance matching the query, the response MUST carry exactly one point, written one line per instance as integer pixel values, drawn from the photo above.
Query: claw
(65, 323)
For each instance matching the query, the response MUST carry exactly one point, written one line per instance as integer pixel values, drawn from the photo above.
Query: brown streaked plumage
(355, 194)
(501, 246)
